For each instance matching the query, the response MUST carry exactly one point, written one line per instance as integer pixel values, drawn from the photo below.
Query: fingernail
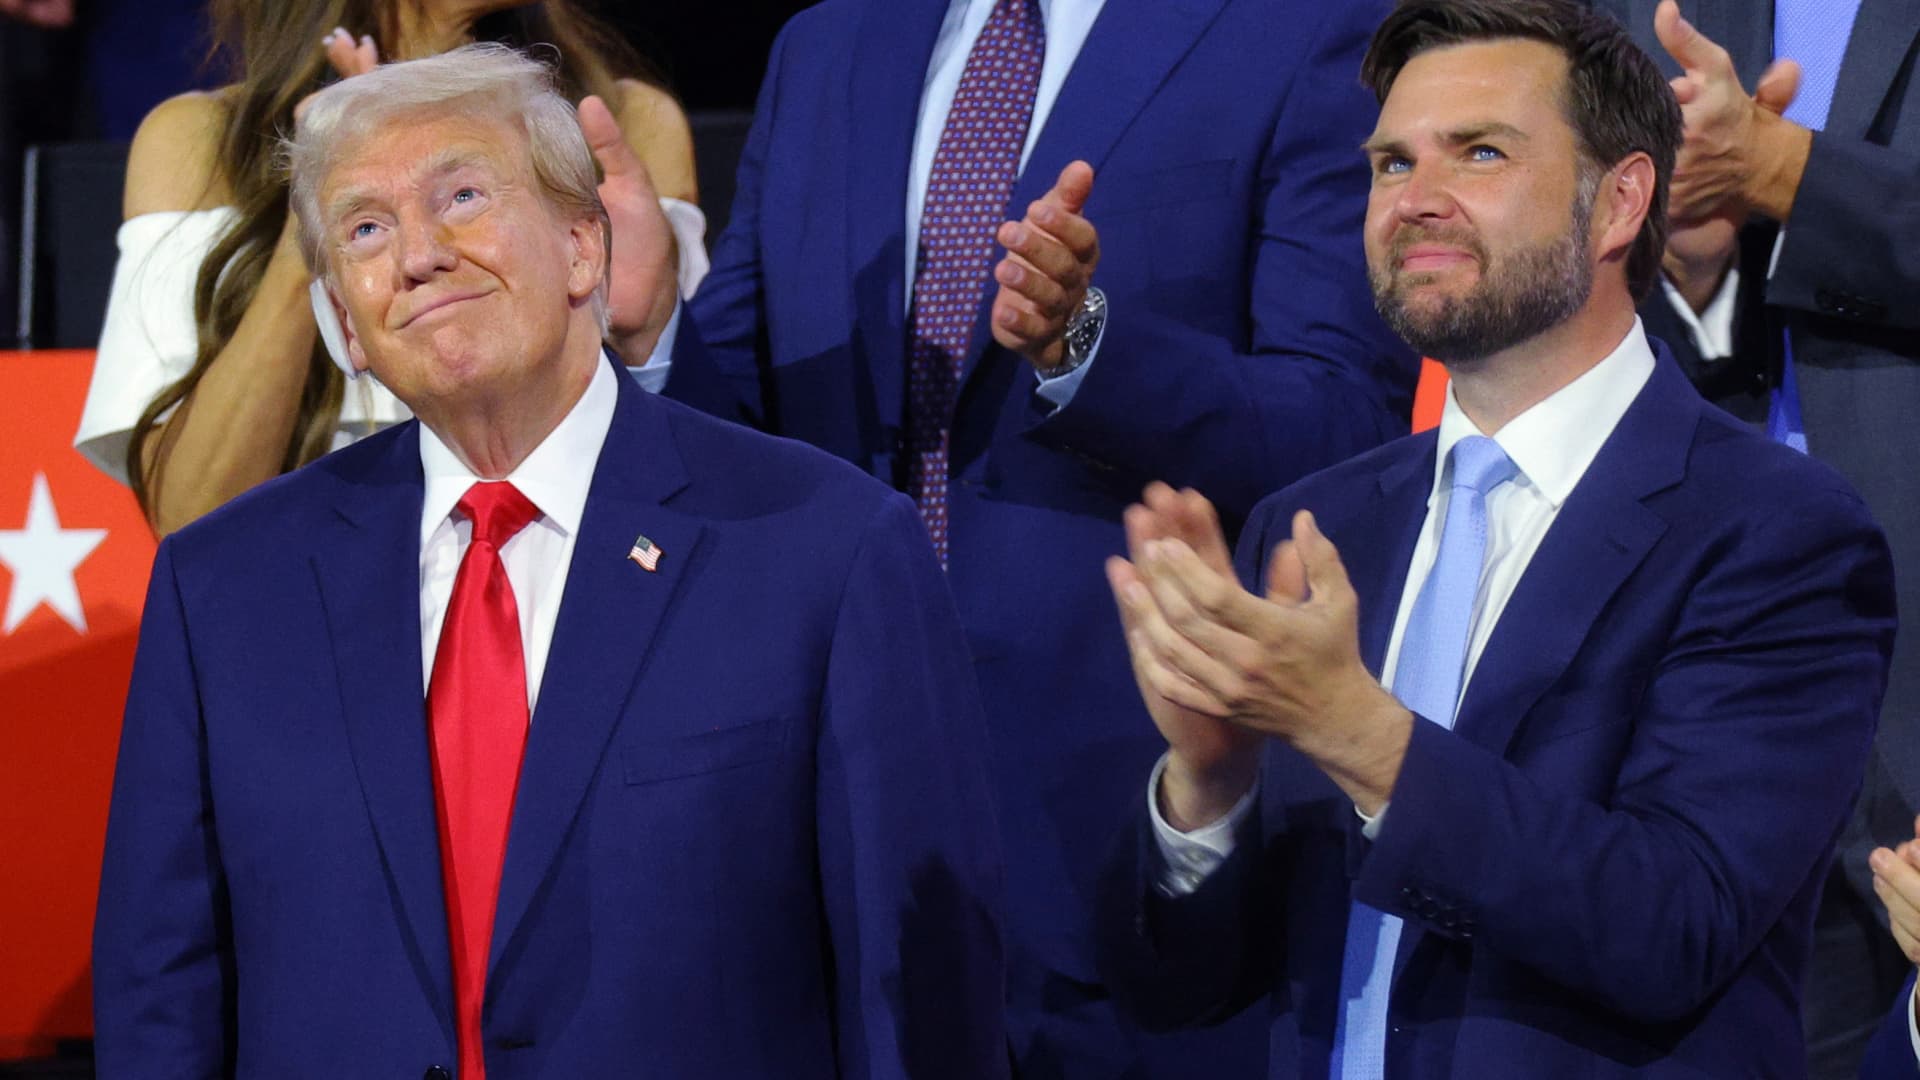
(1016, 236)
(1878, 859)
(1044, 214)
(1136, 593)
(1014, 274)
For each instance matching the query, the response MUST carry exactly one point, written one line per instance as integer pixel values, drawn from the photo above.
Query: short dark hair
(1615, 99)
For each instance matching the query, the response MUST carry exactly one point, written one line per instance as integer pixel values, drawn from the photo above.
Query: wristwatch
(1083, 332)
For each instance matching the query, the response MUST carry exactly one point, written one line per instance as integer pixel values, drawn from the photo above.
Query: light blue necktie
(1815, 33)
(1433, 660)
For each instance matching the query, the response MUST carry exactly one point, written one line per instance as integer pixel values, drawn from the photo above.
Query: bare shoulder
(656, 127)
(174, 162)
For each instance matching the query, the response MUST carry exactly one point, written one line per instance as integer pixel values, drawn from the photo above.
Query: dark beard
(1519, 298)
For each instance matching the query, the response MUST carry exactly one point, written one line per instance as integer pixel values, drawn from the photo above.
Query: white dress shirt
(555, 478)
(1552, 444)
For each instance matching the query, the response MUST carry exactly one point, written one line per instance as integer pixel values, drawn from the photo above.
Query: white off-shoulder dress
(148, 340)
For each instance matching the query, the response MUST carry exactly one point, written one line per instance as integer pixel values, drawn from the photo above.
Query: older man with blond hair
(561, 732)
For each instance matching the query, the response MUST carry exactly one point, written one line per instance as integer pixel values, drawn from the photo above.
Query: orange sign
(74, 558)
(1430, 396)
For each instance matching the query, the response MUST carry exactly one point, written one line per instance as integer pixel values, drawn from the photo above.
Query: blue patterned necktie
(1815, 33)
(1433, 661)
(974, 169)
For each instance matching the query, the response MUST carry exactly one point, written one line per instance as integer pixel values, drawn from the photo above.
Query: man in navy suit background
(1160, 276)
(698, 787)
(1790, 270)
(1635, 650)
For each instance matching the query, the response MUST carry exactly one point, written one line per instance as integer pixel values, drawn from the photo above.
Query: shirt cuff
(1370, 825)
(1190, 857)
(1712, 329)
(689, 225)
(1060, 389)
(652, 375)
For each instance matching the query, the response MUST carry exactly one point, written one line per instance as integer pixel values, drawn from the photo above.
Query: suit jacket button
(437, 1072)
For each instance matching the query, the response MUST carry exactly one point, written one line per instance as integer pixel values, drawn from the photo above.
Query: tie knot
(498, 511)
(1480, 464)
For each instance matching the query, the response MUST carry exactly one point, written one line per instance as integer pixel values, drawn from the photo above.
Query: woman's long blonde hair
(275, 59)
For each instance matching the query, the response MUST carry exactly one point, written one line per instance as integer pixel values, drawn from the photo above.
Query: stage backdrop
(74, 557)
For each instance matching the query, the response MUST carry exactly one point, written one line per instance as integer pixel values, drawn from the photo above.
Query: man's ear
(1623, 203)
(589, 247)
(356, 355)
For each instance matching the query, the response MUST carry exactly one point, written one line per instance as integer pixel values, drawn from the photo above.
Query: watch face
(1084, 328)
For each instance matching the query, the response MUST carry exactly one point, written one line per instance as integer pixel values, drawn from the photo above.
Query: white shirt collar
(1553, 442)
(554, 477)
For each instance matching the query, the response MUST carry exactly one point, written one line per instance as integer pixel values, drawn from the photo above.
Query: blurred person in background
(1787, 298)
(1017, 257)
(211, 375)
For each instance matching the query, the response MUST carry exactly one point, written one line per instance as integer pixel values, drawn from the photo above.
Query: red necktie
(974, 169)
(477, 714)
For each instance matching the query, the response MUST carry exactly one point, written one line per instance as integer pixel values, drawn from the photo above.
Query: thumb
(1693, 49)
(1286, 575)
(1073, 186)
(1326, 575)
(1777, 86)
(609, 146)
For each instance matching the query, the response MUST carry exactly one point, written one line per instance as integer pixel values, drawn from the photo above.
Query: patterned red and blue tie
(974, 170)
(477, 715)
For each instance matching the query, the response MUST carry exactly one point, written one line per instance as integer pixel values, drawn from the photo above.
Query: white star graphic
(43, 557)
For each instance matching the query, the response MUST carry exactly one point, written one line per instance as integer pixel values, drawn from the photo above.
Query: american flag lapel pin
(646, 553)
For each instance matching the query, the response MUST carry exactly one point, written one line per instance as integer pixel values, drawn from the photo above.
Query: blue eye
(363, 229)
(465, 194)
(1485, 153)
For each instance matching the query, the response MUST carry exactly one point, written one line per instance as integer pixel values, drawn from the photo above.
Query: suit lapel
(610, 614)
(1883, 35)
(369, 580)
(1133, 46)
(1602, 534)
(889, 72)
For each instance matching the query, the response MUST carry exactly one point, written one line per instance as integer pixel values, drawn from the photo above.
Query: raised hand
(1051, 255)
(643, 284)
(1896, 880)
(348, 56)
(1739, 154)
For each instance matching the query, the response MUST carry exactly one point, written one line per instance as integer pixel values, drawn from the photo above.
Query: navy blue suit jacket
(1242, 352)
(1890, 1054)
(752, 835)
(1609, 867)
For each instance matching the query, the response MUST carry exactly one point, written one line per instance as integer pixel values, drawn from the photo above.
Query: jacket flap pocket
(648, 760)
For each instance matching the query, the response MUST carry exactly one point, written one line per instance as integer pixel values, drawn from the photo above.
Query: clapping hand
(1051, 255)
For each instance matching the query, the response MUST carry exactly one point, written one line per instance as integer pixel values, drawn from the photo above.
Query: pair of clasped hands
(1222, 669)
(1043, 278)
